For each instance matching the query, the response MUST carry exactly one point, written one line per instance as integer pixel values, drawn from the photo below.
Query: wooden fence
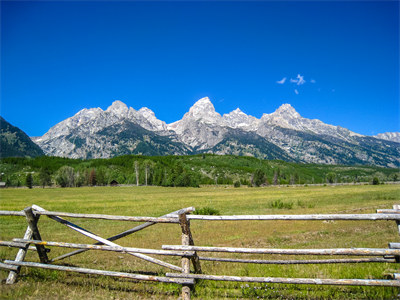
(188, 251)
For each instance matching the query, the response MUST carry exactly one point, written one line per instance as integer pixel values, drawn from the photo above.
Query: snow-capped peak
(287, 111)
(147, 118)
(147, 112)
(238, 119)
(204, 110)
(118, 108)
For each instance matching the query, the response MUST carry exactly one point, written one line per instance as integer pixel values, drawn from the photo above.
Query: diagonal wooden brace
(12, 276)
(126, 233)
(32, 222)
(107, 242)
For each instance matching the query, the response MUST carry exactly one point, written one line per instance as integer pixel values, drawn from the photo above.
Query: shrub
(236, 184)
(29, 180)
(375, 181)
(280, 205)
(206, 211)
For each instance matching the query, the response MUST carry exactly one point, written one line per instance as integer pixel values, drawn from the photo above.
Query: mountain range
(283, 134)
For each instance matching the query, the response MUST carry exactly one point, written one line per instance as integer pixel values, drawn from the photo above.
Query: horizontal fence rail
(364, 282)
(336, 251)
(187, 251)
(18, 243)
(317, 217)
(100, 272)
(389, 215)
(300, 261)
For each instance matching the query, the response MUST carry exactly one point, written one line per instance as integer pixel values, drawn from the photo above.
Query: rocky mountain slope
(15, 143)
(389, 136)
(283, 134)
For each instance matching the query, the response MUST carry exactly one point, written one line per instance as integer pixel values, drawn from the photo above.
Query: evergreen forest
(181, 171)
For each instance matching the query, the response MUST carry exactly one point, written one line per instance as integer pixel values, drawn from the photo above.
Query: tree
(330, 177)
(137, 172)
(65, 176)
(275, 178)
(45, 177)
(258, 177)
(80, 178)
(148, 166)
(29, 180)
(92, 177)
(101, 176)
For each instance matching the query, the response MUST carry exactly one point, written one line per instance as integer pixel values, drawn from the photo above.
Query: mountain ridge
(285, 133)
(16, 143)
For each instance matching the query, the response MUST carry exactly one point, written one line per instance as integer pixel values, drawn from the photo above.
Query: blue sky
(340, 59)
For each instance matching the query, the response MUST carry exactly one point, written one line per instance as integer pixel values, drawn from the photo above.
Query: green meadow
(157, 201)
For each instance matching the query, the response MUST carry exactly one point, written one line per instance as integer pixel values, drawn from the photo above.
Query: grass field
(156, 201)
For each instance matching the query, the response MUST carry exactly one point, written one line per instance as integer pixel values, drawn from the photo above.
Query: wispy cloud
(296, 83)
(299, 80)
(282, 81)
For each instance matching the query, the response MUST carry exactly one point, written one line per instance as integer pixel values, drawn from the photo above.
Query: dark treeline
(177, 171)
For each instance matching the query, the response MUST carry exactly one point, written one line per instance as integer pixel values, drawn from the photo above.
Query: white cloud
(296, 91)
(312, 81)
(282, 81)
(299, 80)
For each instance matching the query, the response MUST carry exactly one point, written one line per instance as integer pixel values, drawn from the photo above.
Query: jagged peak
(118, 107)
(203, 109)
(146, 111)
(286, 107)
(203, 100)
(237, 111)
(287, 111)
(203, 104)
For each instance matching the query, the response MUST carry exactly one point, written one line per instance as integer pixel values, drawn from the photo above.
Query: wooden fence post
(32, 222)
(185, 226)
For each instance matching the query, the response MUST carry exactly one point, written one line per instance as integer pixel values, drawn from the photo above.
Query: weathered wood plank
(109, 217)
(32, 222)
(104, 248)
(19, 245)
(185, 226)
(101, 272)
(299, 262)
(353, 217)
(12, 276)
(106, 242)
(8, 267)
(13, 244)
(127, 232)
(185, 260)
(336, 251)
(388, 211)
(12, 213)
(318, 281)
(394, 245)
